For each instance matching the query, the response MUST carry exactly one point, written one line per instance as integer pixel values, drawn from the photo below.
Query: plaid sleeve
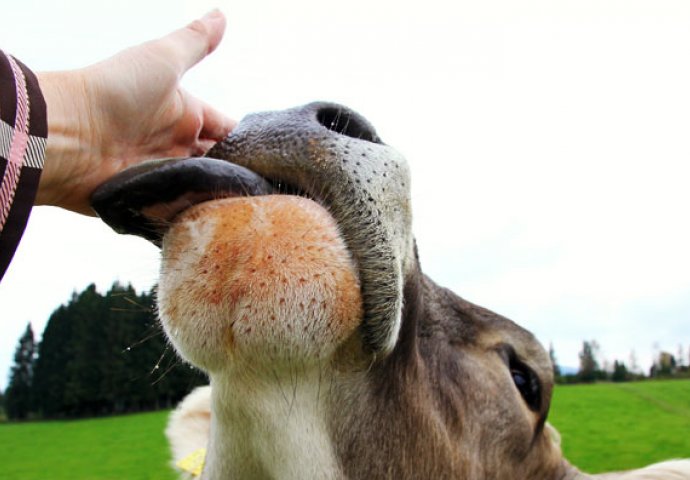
(23, 133)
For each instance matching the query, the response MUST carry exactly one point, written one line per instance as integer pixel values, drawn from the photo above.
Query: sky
(548, 143)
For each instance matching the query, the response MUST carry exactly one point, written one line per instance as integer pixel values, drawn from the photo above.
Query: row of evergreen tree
(98, 355)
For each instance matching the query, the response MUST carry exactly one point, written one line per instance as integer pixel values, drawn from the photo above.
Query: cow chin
(257, 281)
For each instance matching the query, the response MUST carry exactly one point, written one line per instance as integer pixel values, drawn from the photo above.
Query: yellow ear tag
(193, 463)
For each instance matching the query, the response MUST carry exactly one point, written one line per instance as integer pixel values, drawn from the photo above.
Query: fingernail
(213, 14)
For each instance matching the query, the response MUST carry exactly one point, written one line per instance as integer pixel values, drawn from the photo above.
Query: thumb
(192, 43)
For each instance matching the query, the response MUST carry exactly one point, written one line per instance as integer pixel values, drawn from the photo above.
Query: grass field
(129, 447)
(603, 426)
(620, 426)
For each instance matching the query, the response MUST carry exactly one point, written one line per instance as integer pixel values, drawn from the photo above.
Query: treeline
(591, 369)
(98, 355)
(105, 354)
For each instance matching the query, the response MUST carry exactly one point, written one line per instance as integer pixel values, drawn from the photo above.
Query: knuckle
(198, 27)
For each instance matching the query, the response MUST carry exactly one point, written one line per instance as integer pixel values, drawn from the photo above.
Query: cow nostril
(347, 122)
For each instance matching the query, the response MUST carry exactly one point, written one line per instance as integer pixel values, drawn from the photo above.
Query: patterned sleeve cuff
(23, 133)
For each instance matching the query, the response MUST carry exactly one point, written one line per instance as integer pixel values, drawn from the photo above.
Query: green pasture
(603, 427)
(615, 426)
(129, 447)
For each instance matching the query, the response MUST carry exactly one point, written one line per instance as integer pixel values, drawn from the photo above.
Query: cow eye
(525, 380)
(527, 383)
(521, 380)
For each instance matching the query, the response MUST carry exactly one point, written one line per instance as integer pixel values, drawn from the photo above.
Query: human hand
(124, 110)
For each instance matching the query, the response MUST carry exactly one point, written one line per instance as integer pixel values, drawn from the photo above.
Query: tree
(589, 367)
(554, 363)
(681, 356)
(620, 372)
(18, 401)
(55, 352)
(103, 354)
(84, 371)
(632, 362)
(665, 365)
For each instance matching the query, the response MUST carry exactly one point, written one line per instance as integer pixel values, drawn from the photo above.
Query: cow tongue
(144, 199)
